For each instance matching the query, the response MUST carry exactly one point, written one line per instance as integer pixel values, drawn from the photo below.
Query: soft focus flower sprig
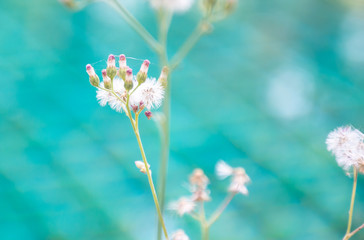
(211, 12)
(347, 145)
(125, 92)
(193, 205)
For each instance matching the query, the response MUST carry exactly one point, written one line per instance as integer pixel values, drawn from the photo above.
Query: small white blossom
(150, 93)
(239, 177)
(182, 206)
(105, 97)
(223, 170)
(346, 143)
(239, 181)
(172, 5)
(180, 235)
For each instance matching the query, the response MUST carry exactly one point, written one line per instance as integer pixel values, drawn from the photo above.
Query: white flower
(180, 235)
(182, 206)
(223, 170)
(104, 97)
(346, 143)
(238, 182)
(172, 5)
(150, 93)
(239, 177)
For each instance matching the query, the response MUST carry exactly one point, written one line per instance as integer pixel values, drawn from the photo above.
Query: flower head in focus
(346, 143)
(180, 235)
(122, 90)
(239, 178)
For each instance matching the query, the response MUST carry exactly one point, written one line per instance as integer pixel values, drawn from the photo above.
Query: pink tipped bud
(111, 61)
(128, 83)
(148, 114)
(145, 66)
(104, 73)
(129, 74)
(141, 105)
(106, 79)
(135, 108)
(164, 76)
(122, 61)
(90, 70)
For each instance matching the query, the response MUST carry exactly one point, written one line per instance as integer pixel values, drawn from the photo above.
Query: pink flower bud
(122, 61)
(135, 108)
(148, 114)
(111, 61)
(129, 74)
(163, 78)
(104, 73)
(90, 70)
(145, 66)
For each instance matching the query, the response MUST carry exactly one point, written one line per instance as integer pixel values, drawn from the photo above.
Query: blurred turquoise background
(261, 91)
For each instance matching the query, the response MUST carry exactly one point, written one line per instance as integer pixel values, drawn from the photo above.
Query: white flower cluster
(172, 5)
(121, 88)
(346, 143)
(198, 183)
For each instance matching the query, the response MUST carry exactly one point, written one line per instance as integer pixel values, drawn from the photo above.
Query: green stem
(135, 24)
(347, 235)
(188, 45)
(150, 180)
(221, 209)
(203, 223)
(164, 22)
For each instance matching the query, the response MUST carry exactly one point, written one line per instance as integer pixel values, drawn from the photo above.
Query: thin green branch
(347, 235)
(136, 25)
(220, 209)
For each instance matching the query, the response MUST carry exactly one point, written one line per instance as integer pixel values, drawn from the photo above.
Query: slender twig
(150, 180)
(347, 235)
(135, 24)
(356, 230)
(188, 45)
(220, 209)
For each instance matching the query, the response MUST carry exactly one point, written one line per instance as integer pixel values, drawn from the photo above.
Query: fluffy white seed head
(346, 143)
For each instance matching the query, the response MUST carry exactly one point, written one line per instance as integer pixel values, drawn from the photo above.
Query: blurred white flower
(346, 143)
(239, 181)
(182, 206)
(180, 235)
(172, 5)
(239, 177)
(223, 170)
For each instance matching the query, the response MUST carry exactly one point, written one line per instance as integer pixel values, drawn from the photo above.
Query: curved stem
(135, 24)
(150, 180)
(347, 235)
(221, 209)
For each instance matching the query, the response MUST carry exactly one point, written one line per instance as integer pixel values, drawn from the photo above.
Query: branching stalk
(348, 235)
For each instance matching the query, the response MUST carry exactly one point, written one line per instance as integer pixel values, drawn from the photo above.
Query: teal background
(261, 91)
